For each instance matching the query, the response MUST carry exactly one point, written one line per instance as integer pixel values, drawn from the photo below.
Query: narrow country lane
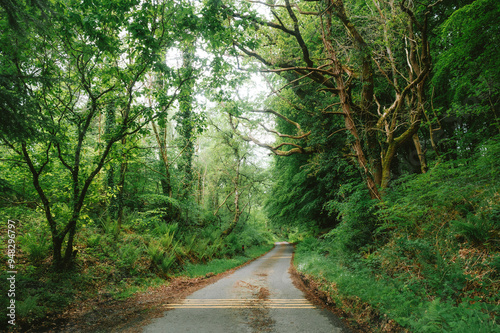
(259, 297)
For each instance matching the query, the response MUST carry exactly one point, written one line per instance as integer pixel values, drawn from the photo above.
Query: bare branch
(276, 150)
(278, 18)
(253, 54)
(280, 116)
(60, 155)
(391, 82)
(258, 20)
(294, 137)
(338, 131)
(223, 202)
(298, 68)
(282, 6)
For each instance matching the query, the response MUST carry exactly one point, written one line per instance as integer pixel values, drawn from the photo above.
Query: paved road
(259, 297)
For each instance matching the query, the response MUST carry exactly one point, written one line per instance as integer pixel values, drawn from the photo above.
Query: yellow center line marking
(225, 303)
(244, 299)
(239, 303)
(237, 307)
(236, 303)
(278, 258)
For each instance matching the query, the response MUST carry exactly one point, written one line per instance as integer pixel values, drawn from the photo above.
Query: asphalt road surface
(259, 297)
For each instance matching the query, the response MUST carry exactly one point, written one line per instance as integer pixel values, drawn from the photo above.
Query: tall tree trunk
(164, 166)
(110, 173)
(199, 197)
(57, 251)
(121, 190)
(70, 253)
(166, 186)
(237, 210)
(387, 158)
(186, 120)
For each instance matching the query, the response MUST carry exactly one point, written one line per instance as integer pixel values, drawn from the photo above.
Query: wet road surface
(259, 297)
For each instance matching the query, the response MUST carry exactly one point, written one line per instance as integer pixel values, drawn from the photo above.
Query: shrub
(128, 256)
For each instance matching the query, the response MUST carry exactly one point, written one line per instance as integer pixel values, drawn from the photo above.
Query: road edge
(310, 287)
(132, 314)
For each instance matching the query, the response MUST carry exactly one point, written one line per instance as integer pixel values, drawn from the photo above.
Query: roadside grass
(424, 259)
(385, 304)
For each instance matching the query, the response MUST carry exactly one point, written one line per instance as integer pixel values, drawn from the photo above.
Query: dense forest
(144, 140)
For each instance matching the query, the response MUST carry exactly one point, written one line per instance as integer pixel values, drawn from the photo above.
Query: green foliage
(352, 284)
(466, 77)
(162, 259)
(129, 254)
(357, 214)
(462, 193)
(469, 316)
(94, 240)
(428, 258)
(36, 244)
(477, 229)
(40, 293)
(295, 195)
(29, 308)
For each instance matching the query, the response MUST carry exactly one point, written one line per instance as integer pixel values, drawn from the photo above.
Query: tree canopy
(173, 132)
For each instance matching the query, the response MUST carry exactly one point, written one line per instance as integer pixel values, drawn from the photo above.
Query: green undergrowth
(146, 253)
(384, 304)
(424, 259)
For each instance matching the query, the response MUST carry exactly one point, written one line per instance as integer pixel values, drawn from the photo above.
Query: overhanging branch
(274, 149)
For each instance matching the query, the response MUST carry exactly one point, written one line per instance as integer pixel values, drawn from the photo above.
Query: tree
(71, 73)
(19, 22)
(233, 174)
(466, 79)
(186, 120)
(372, 57)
